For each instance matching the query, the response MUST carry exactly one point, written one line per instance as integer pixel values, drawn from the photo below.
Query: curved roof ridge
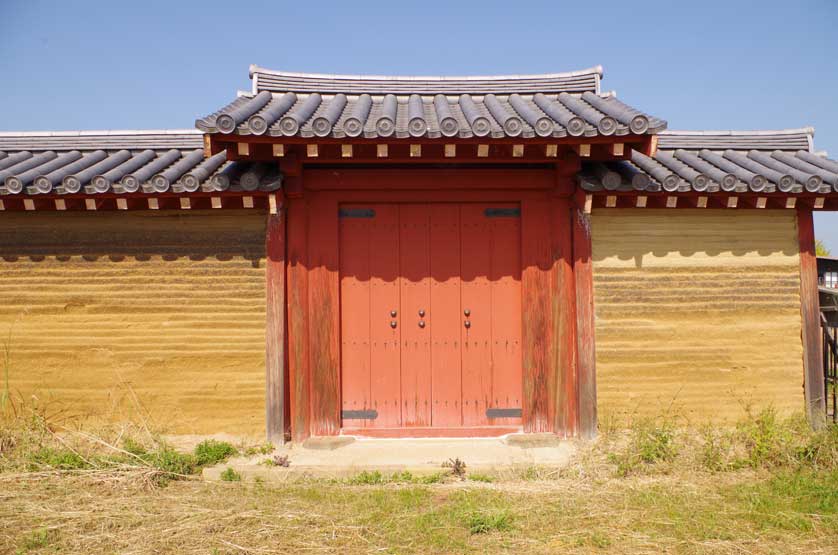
(100, 133)
(373, 77)
(809, 130)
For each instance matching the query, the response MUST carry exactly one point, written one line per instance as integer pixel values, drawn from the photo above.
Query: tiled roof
(93, 162)
(728, 161)
(340, 106)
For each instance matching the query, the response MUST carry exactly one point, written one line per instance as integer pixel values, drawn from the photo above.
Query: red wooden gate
(430, 317)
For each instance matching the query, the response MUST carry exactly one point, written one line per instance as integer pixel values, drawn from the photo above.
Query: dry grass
(767, 486)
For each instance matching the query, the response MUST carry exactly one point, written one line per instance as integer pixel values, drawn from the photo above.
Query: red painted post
(813, 384)
(275, 327)
(586, 350)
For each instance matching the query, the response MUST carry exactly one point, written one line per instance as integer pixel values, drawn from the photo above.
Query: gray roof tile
(731, 161)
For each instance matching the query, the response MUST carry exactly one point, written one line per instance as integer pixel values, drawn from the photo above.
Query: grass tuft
(230, 475)
(210, 452)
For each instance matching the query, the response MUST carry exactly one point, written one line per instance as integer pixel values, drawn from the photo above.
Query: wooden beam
(585, 150)
(28, 204)
(551, 151)
(215, 202)
(272, 204)
(482, 151)
(2, 205)
(589, 203)
(653, 146)
(702, 202)
(819, 202)
(346, 151)
(813, 380)
(517, 151)
(791, 202)
(761, 202)
(275, 328)
(381, 151)
(153, 204)
(732, 202)
(611, 201)
(207, 146)
(671, 202)
(312, 151)
(617, 149)
(90, 204)
(122, 204)
(641, 201)
(185, 203)
(278, 150)
(243, 149)
(60, 204)
(450, 151)
(585, 330)
(415, 151)
(247, 201)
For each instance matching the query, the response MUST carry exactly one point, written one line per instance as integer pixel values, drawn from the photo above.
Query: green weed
(230, 475)
(211, 452)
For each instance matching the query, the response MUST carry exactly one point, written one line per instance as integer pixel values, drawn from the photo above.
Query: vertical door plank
(414, 263)
(444, 316)
(386, 389)
(355, 315)
(477, 299)
(505, 284)
(298, 368)
(324, 310)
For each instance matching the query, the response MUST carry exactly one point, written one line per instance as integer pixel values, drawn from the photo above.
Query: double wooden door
(430, 315)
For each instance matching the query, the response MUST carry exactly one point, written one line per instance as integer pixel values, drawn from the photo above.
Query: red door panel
(355, 316)
(384, 298)
(414, 265)
(477, 302)
(430, 315)
(505, 279)
(444, 316)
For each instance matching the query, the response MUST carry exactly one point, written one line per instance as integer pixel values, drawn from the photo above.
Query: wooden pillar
(539, 369)
(563, 308)
(324, 315)
(275, 327)
(813, 379)
(585, 346)
(298, 367)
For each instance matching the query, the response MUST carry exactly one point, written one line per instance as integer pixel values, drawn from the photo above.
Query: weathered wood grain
(297, 275)
(585, 321)
(813, 378)
(539, 376)
(275, 337)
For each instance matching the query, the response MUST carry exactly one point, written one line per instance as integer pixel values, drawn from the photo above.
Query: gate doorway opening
(430, 319)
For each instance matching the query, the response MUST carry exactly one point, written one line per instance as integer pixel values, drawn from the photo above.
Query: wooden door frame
(552, 248)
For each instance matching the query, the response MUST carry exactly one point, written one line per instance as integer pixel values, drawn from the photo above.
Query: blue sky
(160, 64)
